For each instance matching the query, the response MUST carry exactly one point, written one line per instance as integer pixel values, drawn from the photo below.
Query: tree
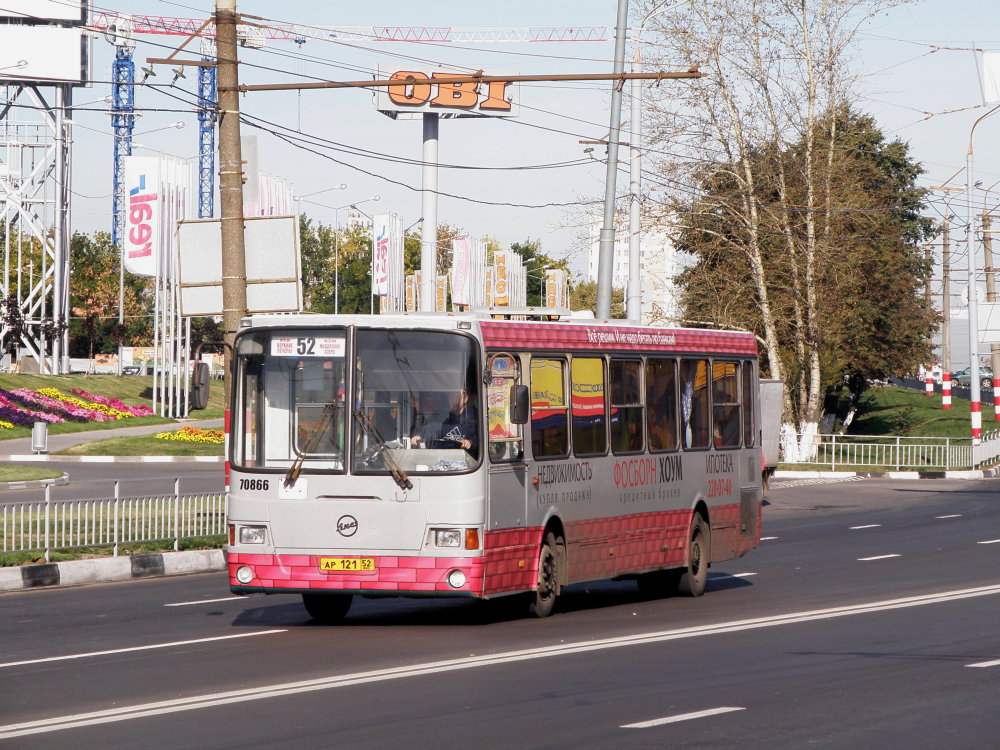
(777, 74)
(94, 290)
(583, 296)
(535, 261)
(868, 307)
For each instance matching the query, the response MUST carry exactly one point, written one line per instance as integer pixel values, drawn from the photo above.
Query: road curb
(964, 474)
(108, 569)
(42, 457)
(35, 483)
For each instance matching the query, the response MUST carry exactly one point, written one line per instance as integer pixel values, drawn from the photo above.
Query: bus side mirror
(519, 404)
(200, 378)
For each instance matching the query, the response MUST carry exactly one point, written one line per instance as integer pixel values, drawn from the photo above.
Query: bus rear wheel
(694, 575)
(544, 598)
(327, 608)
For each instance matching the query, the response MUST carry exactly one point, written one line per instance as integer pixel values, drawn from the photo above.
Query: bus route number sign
(307, 346)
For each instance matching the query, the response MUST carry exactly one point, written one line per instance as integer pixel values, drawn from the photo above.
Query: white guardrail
(47, 525)
(887, 453)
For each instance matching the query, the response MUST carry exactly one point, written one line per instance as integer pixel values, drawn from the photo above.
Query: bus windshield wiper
(312, 440)
(398, 475)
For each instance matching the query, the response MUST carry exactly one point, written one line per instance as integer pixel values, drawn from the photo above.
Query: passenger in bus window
(462, 425)
(432, 412)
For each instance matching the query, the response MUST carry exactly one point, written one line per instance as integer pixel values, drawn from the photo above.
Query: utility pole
(991, 296)
(234, 274)
(946, 296)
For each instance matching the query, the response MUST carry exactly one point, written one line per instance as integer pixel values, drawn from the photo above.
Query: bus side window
(694, 403)
(749, 433)
(590, 436)
(505, 441)
(549, 429)
(726, 405)
(661, 404)
(626, 406)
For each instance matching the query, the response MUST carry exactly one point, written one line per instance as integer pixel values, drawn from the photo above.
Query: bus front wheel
(327, 608)
(694, 575)
(544, 598)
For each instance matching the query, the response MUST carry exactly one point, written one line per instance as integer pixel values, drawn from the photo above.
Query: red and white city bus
(460, 455)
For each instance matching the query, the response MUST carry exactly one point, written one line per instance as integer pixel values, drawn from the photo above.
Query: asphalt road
(97, 480)
(868, 618)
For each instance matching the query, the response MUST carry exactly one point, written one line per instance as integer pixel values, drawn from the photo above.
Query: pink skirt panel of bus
(597, 549)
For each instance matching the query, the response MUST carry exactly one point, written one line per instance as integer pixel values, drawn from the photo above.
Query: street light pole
(970, 233)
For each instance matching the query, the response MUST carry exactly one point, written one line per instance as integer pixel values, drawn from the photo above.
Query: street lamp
(970, 232)
(633, 300)
(371, 265)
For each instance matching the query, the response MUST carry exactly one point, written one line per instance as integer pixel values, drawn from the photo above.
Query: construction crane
(120, 30)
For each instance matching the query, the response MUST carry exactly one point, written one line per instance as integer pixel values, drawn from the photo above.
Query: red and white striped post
(929, 384)
(977, 421)
(946, 390)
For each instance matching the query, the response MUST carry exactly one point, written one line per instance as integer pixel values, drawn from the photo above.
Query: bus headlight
(447, 538)
(253, 534)
(244, 574)
(456, 579)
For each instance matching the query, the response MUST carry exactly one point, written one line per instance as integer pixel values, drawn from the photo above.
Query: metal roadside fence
(46, 525)
(888, 453)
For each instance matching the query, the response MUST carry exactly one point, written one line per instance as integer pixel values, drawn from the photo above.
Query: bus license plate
(347, 564)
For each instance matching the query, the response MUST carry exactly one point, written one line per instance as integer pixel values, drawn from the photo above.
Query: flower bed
(193, 435)
(137, 410)
(92, 406)
(71, 412)
(14, 412)
(23, 406)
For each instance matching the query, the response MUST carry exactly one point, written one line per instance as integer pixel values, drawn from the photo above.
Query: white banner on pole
(142, 241)
(991, 77)
(387, 261)
(461, 268)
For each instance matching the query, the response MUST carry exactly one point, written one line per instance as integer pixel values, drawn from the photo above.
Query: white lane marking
(768, 538)
(868, 526)
(995, 663)
(950, 515)
(989, 541)
(683, 717)
(137, 648)
(877, 557)
(742, 575)
(205, 601)
(209, 700)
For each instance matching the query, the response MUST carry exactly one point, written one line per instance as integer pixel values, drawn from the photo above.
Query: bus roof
(575, 334)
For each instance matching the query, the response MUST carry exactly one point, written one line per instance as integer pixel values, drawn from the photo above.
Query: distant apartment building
(660, 264)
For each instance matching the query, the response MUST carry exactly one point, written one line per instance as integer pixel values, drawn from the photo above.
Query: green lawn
(12, 473)
(891, 410)
(142, 445)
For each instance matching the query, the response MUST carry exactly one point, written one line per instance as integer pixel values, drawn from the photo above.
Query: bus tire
(543, 599)
(694, 575)
(327, 608)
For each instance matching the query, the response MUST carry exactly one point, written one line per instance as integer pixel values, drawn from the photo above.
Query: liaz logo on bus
(347, 525)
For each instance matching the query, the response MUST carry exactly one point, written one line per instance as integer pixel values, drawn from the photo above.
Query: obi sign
(450, 93)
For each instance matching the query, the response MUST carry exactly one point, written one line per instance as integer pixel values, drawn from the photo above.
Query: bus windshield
(290, 399)
(416, 402)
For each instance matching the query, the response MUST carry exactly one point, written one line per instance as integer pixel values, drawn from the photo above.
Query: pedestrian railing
(46, 525)
(884, 453)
